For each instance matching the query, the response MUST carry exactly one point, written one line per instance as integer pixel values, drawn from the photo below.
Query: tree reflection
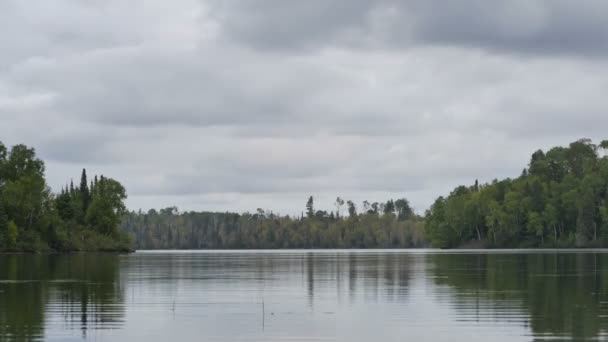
(375, 276)
(83, 291)
(562, 294)
(22, 299)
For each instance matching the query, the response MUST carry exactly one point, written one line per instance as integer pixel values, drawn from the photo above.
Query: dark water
(306, 296)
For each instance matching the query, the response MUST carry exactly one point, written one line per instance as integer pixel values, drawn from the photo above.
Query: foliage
(32, 218)
(559, 200)
(11, 234)
(169, 229)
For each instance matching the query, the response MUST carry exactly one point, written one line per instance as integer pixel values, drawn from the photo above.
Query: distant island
(79, 218)
(559, 201)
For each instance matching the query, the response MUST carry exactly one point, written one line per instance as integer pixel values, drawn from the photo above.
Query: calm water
(306, 296)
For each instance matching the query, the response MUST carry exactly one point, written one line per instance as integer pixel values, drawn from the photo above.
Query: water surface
(373, 295)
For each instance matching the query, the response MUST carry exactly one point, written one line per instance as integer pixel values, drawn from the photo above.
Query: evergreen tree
(32, 218)
(85, 195)
(310, 210)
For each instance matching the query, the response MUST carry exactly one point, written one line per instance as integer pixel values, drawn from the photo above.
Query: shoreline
(53, 252)
(441, 250)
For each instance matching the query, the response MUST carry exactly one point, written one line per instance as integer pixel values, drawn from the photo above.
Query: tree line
(559, 200)
(392, 224)
(32, 218)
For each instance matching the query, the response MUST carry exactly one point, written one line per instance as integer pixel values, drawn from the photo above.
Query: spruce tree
(84, 192)
(310, 211)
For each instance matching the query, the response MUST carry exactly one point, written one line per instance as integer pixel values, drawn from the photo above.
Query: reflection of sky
(304, 296)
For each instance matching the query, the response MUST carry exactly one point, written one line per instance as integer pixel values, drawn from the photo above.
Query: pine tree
(84, 192)
(310, 210)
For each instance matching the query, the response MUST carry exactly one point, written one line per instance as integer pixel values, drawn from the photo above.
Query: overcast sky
(240, 104)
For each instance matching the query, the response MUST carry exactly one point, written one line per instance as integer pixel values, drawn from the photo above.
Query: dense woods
(381, 225)
(32, 218)
(560, 200)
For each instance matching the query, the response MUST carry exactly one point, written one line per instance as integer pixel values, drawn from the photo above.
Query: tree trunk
(31, 219)
(555, 231)
(594, 231)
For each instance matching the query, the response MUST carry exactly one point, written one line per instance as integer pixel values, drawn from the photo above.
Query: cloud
(235, 105)
(543, 27)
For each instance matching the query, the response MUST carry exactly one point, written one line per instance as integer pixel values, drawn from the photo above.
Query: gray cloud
(516, 26)
(235, 105)
(296, 24)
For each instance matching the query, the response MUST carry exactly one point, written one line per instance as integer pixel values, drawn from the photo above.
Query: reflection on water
(305, 295)
(554, 294)
(72, 293)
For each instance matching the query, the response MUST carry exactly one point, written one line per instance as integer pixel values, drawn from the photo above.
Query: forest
(79, 218)
(559, 200)
(379, 225)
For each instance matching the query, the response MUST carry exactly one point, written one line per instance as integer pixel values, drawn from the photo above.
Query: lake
(372, 295)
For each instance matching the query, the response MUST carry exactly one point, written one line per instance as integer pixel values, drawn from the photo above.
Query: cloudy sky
(240, 104)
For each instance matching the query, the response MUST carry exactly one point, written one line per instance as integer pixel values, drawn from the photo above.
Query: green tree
(24, 190)
(536, 225)
(551, 219)
(33, 218)
(352, 209)
(85, 195)
(404, 211)
(3, 226)
(389, 207)
(310, 207)
(107, 206)
(12, 234)
(437, 227)
(561, 195)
